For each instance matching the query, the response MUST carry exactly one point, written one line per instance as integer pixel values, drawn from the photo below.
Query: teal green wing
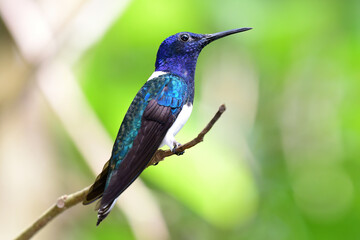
(152, 112)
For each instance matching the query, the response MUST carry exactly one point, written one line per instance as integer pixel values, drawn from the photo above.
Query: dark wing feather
(156, 121)
(157, 104)
(97, 189)
(153, 115)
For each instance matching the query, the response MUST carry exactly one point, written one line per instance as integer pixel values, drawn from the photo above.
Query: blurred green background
(283, 161)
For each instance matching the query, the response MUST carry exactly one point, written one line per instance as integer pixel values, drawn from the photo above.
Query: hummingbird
(158, 112)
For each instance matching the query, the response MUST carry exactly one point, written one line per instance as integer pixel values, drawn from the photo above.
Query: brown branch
(161, 154)
(66, 201)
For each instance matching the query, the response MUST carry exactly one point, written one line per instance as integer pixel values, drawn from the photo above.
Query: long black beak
(211, 37)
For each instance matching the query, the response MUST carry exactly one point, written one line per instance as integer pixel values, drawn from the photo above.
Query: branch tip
(222, 108)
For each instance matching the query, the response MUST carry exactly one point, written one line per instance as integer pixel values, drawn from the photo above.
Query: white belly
(176, 127)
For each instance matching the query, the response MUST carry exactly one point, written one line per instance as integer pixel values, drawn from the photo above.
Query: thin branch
(161, 154)
(64, 202)
(67, 201)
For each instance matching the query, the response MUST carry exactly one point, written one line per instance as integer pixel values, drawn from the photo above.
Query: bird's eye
(184, 37)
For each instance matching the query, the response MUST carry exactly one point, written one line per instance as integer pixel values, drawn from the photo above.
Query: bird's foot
(176, 145)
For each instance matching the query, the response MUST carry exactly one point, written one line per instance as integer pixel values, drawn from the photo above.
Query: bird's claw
(176, 145)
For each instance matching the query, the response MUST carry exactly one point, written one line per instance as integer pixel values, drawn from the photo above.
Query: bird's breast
(181, 119)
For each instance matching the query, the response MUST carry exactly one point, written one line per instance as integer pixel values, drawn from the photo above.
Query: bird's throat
(184, 67)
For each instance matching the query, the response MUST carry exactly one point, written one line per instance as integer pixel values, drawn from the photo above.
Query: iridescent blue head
(178, 53)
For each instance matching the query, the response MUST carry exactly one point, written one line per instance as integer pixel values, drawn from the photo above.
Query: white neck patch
(156, 74)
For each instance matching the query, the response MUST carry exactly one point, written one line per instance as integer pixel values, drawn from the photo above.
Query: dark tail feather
(104, 211)
(99, 221)
(97, 189)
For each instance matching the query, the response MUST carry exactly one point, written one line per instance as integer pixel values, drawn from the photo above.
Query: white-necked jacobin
(158, 112)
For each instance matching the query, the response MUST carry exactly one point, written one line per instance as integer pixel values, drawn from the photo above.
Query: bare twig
(161, 154)
(66, 201)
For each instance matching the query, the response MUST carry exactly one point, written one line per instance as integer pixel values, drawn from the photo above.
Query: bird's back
(151, 113)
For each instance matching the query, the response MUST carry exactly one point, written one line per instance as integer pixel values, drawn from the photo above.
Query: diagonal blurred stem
(51, 55)
(92, 141)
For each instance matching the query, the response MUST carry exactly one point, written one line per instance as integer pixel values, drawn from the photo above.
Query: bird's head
(178, 53)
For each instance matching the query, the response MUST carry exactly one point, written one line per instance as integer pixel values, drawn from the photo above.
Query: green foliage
(283, 161)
